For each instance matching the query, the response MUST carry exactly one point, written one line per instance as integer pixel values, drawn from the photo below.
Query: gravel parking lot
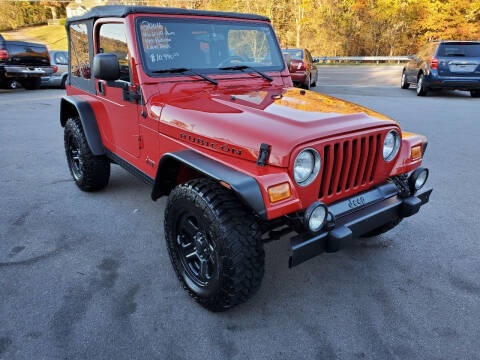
(87, 276)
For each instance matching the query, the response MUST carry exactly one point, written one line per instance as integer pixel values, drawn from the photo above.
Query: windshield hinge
(263, 154)
(133, 96)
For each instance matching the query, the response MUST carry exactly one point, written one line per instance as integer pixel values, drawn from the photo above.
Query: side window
(61, 58)
(80, 51)
(309, 56)
(112, 39)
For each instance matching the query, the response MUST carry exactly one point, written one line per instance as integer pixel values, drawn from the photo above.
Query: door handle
(101, 87)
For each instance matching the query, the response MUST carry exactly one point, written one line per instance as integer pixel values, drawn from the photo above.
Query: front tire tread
(243, 265)
(95, 169)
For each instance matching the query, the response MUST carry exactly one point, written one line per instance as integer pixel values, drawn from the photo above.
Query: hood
(238, 122)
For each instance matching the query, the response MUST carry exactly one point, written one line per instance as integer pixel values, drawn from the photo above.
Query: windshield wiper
(245, 67)
(184, 70)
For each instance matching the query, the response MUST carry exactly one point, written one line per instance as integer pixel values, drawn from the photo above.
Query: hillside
(54, 36)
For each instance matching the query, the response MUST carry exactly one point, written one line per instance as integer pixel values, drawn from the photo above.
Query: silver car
(59, 60)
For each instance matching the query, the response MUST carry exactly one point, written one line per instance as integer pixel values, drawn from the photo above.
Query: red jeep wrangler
(200, 105)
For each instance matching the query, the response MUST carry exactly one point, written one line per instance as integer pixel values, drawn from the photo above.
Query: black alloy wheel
(73, 156)
(196, 250)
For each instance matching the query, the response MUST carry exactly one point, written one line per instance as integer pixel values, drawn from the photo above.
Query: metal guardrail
(324, 59)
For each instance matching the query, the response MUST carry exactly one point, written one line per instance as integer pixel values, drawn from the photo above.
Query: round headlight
(421, 180)
(317, 219)
(306, 166)
(417, 179)
(316, 216)
(391, 144)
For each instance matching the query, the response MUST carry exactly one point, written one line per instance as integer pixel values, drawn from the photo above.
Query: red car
(302, 67)
(189, 103)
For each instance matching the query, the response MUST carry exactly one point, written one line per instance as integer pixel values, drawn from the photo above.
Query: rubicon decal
(211, 144)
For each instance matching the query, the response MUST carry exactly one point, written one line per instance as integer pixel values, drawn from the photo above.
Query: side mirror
(106, 67)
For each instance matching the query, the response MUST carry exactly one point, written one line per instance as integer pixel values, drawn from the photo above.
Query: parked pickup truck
(23, 62)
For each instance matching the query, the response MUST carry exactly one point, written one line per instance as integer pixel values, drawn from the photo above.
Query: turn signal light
(416, 152)
(279, 192)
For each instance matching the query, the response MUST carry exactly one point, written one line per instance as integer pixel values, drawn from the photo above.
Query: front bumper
(381, 205)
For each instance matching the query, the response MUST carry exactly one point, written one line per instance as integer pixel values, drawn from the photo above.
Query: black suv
(451, 65)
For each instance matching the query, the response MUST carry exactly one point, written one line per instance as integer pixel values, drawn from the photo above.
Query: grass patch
(54, 36)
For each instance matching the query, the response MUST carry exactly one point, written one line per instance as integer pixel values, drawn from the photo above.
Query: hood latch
(263, 154)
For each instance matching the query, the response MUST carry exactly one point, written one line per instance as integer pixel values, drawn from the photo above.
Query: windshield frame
(209, 71)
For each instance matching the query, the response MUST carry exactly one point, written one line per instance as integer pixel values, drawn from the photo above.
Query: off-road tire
(421, 88)
(94, 170)
(235, 232)
(382, 229)
(404, 84)
(31, 84)
(475, 93)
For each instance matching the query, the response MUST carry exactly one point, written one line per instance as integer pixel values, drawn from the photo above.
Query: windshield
(293, 54)
(459, 49)
(206, 45)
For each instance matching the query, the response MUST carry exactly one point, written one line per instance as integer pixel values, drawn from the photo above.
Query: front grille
(349, 165)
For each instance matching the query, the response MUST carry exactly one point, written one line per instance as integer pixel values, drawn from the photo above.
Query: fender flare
(243, 185)
(88, 120)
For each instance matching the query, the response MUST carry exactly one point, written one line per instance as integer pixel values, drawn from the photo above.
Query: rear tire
(382, 229)
(421, 88)
(475, 93)
(404, 83)
(214, 244)
(31, 84)
(315, 82)
(307, 84)
(90, 172)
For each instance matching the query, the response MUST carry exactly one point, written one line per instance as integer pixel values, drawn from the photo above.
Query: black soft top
(124, 10)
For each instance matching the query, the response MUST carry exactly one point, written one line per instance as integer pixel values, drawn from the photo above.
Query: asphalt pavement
(87, 275)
